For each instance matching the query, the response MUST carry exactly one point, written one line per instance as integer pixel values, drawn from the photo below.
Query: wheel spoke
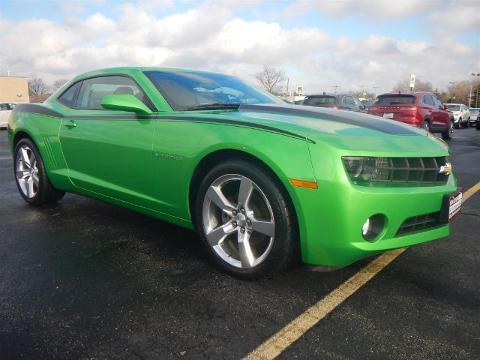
(264, 227)
(245, 191)
(30, 191)
(36, 179)
(22, 174)
(245, 251)
(215, 194)
(218, 234)
(25, 158)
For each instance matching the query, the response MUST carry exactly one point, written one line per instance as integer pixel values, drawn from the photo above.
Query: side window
(95, 89)
(427, 99)
(68, 97)
(349, 100)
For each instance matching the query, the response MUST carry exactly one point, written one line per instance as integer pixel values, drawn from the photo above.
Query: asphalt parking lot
(88, 280)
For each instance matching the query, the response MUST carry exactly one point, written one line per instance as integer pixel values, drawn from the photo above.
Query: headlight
(365, 169)
(416, 171)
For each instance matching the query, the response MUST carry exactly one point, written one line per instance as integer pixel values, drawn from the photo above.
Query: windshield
(453, 107)
(185, 90)
(320, 100)
(395, 99)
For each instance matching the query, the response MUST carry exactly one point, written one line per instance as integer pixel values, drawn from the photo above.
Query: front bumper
(334, 214)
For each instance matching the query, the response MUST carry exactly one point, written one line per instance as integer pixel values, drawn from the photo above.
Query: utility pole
(335, 87)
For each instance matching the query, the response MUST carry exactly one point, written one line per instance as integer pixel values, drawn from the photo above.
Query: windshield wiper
(213, 106)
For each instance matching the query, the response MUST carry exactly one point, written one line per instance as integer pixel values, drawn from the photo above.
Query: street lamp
(452, 84)
(471, 88)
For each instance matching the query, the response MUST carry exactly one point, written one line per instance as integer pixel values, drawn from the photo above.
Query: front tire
(245, 220)
(31, 177)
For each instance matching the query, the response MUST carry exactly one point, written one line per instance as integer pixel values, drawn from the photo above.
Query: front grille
(421, 170)
(419, 223)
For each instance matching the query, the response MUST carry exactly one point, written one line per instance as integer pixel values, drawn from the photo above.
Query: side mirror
(125, 102)
(445, 107)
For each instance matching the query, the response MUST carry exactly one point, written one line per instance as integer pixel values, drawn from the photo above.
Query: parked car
(343, 102)
(421, 109)
(461, 114)
(367, 103)
(474, 116)
(5, 110)
(266, 184)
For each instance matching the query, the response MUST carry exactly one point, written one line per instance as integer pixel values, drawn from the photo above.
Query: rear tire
(447, 134)
(247, 208)
(426, 125)
(31, 177)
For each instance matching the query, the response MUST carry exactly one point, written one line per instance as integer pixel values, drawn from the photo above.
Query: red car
(421, 109)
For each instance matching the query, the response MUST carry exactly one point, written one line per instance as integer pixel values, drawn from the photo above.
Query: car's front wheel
(32, 181)
(245, 220)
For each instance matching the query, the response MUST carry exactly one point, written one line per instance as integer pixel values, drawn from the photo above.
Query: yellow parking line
(470, 192)
(276, 344)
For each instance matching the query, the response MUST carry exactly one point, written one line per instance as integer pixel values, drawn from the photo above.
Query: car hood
(342, 129)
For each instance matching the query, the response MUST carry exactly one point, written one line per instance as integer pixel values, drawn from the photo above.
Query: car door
(429, 107)
(108, 152)
(442, 117)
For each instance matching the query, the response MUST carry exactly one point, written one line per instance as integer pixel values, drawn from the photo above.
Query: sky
(353, 44)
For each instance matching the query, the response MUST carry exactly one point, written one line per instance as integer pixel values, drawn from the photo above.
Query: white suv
(5, 110)
(461, 114)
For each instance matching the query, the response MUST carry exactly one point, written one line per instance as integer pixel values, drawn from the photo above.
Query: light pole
(452, 84)
(471, 88)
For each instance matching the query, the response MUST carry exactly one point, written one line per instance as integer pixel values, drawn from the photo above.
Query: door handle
(70, 124)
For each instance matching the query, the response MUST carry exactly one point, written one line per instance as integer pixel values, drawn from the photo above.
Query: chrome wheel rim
(26, 172)
(238, 221)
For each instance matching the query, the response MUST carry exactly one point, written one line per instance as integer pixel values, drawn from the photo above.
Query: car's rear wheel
(245, 220)
(31, 177)
(426, 125)
(447, 134)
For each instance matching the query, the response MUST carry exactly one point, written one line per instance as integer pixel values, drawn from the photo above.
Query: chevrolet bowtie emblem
(445, 169)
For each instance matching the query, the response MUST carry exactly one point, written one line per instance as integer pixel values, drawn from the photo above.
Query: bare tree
(58, 84)
(271, 79)
(37, 87)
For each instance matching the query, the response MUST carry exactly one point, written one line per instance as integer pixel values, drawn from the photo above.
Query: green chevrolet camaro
(264, 183)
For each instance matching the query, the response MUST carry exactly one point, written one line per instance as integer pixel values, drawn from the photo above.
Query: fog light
(373, 227)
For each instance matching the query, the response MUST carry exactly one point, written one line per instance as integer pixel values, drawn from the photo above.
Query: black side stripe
(38, 109)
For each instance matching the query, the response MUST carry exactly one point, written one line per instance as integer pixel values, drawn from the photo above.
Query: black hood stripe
(39, 109)
(350, 118)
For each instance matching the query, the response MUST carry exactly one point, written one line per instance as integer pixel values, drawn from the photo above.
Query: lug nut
(242, 210)
(234, 212)
(242, 230)
(249, 222)
(234, 224)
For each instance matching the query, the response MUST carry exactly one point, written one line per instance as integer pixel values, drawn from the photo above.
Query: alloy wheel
(26, 172)
(238, 221)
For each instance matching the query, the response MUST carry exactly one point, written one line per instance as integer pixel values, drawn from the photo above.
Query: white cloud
(376, 10)
(196, 39)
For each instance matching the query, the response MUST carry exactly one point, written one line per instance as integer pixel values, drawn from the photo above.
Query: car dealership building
(14, 89)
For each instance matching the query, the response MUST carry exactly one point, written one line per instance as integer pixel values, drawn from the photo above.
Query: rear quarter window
(68, 96)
